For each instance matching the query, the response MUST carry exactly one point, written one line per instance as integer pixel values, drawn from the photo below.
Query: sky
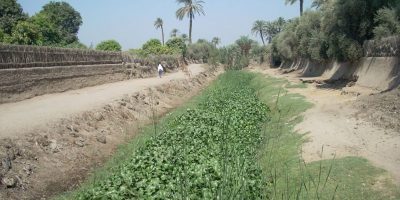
(131, 22)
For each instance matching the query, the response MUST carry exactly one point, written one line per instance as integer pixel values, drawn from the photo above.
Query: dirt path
(333, 124)
(20, 117)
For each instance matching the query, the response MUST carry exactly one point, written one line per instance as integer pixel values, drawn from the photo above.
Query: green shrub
(26, 33)
(76, 45)
(176, 44)
(336, 30)
(154, 47)
(201, 51)
(109, 45)
(388, 23)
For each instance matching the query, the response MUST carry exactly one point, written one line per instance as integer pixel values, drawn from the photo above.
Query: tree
(10, 14)
(388, 24)
(76, 45)
(270, 31)
(109, 45)
(154, 47)
(65, 18)
(245, 44)
(216, 41)
(26, 33)
(174, 32)
(51, 34)
(184, 37)
(279, 23)
(177, 44)
(159, 24)
(259, 28)
(190, 9)
(291, 2)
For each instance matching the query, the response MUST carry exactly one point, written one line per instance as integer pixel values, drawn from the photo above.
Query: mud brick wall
(22, 56)
(19, 84)
(29, 71)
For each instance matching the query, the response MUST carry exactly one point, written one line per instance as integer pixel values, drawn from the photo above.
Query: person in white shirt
(160, 70)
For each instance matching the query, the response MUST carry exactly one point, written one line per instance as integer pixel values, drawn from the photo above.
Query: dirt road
(20, 117)
(333, 124)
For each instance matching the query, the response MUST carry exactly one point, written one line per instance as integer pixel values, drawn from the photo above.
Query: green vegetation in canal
(206, 152)
(234, 141)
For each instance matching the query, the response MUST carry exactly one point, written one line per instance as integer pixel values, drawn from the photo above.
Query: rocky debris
(344, 92)
(74, 134)
(28, 169)
(351, 84)
(101, 138)
(54, 146)
(80, 142)
(98, 116)
(287, 71)
(43, 141)
(9, 182)
(6, 164)
(73, 129)
(381, 109)
(47, 144)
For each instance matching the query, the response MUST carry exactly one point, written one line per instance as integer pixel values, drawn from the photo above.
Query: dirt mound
(53, 160)
(381, 109)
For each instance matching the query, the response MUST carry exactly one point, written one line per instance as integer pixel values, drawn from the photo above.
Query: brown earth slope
(50, 156)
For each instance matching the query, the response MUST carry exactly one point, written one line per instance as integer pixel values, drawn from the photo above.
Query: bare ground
(21, 117)
(349, 124)
(44, 152)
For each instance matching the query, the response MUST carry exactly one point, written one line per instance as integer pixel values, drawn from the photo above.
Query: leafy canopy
(109, 45)
(336, 30)
(10, 14)
(177, 44)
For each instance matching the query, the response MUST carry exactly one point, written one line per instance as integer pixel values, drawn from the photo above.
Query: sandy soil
(21, 117)
(335, 124)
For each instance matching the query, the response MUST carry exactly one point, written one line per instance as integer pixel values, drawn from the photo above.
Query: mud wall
(379, 69)
(23, 83)
(29, 71)
(22, 56)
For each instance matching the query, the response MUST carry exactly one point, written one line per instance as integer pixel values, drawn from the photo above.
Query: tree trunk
(162, 32)
(190, 28)
(262, 37)
(301, 7)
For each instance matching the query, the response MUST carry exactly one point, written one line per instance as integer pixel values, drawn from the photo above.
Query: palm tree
(259, 27)
(160, 24)
(291, 2)
(245, 44)
(280, 23)
(184, 36)
(216, 41)
(270, 30)
(174, 32)
(190, 8)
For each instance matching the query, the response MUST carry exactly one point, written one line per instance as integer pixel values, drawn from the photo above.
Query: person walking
(160, 70)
